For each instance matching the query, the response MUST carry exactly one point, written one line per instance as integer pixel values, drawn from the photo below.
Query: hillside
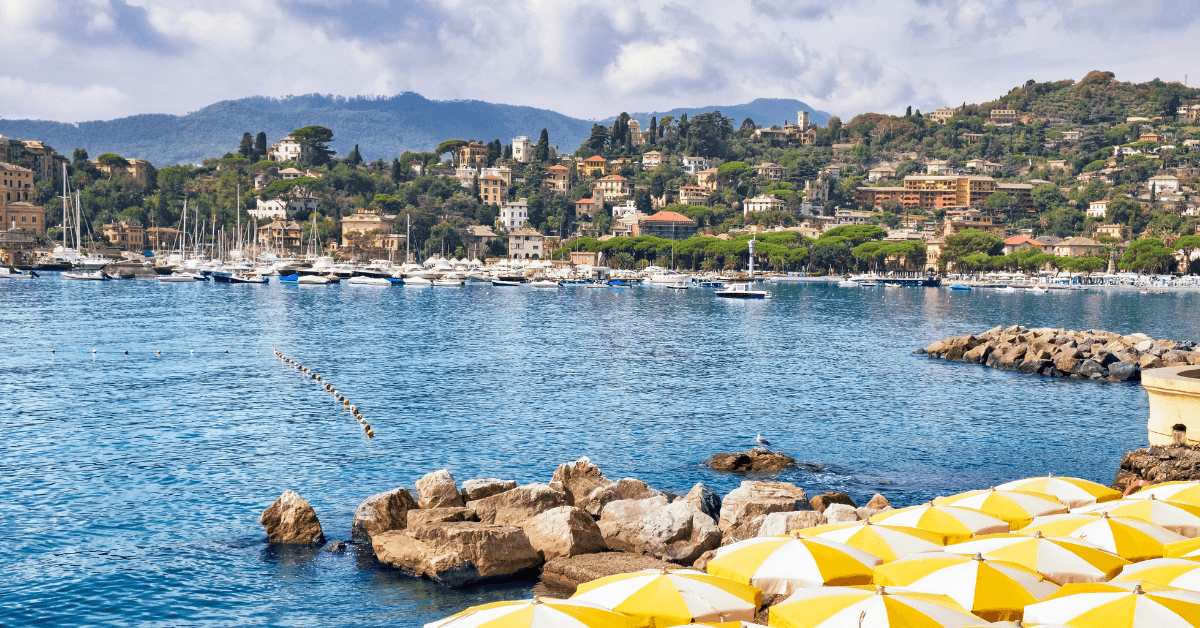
(764, 111)
(382, 127)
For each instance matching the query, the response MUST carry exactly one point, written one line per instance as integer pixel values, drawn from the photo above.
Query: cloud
(25, 99)
(795, 9)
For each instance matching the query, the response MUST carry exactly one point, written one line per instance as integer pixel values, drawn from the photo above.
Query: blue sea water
(131, 485)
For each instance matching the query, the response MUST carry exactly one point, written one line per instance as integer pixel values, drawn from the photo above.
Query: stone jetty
(1090, 354)
(569, 529)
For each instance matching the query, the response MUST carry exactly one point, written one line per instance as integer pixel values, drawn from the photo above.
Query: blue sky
(77, 60)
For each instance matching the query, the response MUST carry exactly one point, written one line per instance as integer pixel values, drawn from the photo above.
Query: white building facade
(514, 214)
(522, 149)
(278, 208)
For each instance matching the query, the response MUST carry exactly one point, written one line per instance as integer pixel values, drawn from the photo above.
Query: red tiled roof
(614, 177)
(595, 159)
(557, 168)
(583, 200)
(1020, 239)
(665, 216)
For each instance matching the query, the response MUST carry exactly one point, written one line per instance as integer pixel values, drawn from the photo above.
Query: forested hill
(381, 127)
(764, 111)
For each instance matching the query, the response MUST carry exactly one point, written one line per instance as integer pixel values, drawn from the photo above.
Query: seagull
(763, 441)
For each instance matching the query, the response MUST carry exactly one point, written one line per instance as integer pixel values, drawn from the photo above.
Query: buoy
(192, 352)
(370, 434)
(160, 352)
(367, 427)
(126, 352)
(52, 351)
(227, 351)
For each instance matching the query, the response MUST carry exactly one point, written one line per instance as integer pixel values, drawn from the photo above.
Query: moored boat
(742, 291)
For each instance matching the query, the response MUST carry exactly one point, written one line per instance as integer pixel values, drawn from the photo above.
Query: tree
(1188, 244)
(1147, 255)
(541, 152)
(747, 125)
(246, 148)
(708, 134)
(317, 138)
(735, 172)
(260, 146)
(597, 139)
(652, 130)
(1002, 202)
(448, 146)
(1046, 197)
(969, 242)
(397, 174)
(908, 112)
(1170, 105)
(641, 198)
(354, 158)
(112, 161)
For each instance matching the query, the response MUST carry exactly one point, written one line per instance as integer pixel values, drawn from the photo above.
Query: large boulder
(746, 530)
(511, 508)
(292, 520)
(823, 501)
(754, 499)
(675, 531)
(840, 513)
(778, 523)
(440, 515)
(579, 479)
(566, 573)
(705, 500)
(1124, 372)
(878, 502)
(625, 488)
(757, 460)
(1158, 464)
(382, 512)
(564, 531)
(458, 554)
(438, 490)
(478, 489)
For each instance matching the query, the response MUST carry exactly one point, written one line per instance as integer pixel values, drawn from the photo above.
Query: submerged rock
(292, 520)
(757, 460)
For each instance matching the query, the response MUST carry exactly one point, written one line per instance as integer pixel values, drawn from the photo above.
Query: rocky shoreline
(1090, 354)
(578, 526)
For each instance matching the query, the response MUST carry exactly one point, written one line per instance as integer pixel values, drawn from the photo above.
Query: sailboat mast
(64, 208)
(78, 236)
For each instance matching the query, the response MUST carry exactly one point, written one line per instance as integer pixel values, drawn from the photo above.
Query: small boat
(333, 278)
(417, 281)
(451, 283)
(363, 280)
(97, 275)
(505, 282)
(959, 286)
(596, 285)
(847, 284)
(312, 280)
(1007, 289)
(619, 283)
(673, 286)
(177, 278)
(544, 283)
(868, 284)
(742, 291)
(248, 278)
(891, 285)
(293, 277)
(1036, 290)
(7, 272)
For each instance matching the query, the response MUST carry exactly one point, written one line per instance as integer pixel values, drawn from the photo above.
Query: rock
(865, 513)
(1090, 367)
(1065, 362)
(458, 554)
(625, 488)
(291, 520)
(438, 490)
(935, 350)
(440, 515)
(879, 502)
(513, 507)
(1144, 346)
(978, 355)
(473, 490)
(701, 563)
(564, 531)
(840, 513)
(579, 479)
(757, 460)
(747, 530)
(1122, 372)
(1158, 464)
(820, 502)
(382, 512)
(568, 573)
(678, 532)
(705, 500)
(334, 547)
(753, 499)
(1174, 357)
(1150, 361)
(779, 523)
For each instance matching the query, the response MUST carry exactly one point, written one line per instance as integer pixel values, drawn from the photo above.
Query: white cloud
(24, 99)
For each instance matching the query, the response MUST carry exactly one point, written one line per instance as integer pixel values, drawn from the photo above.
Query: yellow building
(594, 166)
(16, 210)
(615, 186)
(359, 224)
(125, 235)
(282, 235)
(137, 169)
(1003, 116)
(558, 180)
(493, 189)
(473, 154)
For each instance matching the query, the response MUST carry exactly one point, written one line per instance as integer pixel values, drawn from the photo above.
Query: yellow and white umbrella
(1176, 517)
(779, 565)
(669, 598)
(992, 589)
(536, 613)
(1131, 539)
(885, 541)
(951, 523)
(1182, 492)
(884, 607)
(1100, 605)
(1180, 573)
(1071, 492)
(1182, 549)
(1060, 559)
(1013, 507)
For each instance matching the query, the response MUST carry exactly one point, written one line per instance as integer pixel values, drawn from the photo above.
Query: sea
(146, 425)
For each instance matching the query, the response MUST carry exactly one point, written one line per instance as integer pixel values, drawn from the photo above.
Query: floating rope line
(354, 411)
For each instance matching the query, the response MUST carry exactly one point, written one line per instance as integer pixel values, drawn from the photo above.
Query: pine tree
(354, 158)
(908, 112)
(246, 148)
(653, 129)
(397, 172)
(541, 152)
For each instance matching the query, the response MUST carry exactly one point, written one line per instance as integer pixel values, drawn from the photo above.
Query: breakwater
(1089, 354)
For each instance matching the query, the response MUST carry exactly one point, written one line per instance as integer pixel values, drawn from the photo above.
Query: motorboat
(289, 278)
(1036, 290)
(368, 281)
(669, 277)
(868, 283)
(742, 291)
(446, 282)
(596, 285)
(178, 278)
(413, 280)
(544, 283)
(847, 284)
(312, 280)
(7, 272)
(505, 282)
(960, 287)
(248, 278)
(97, 275)
(672, 286)
(1007, 289)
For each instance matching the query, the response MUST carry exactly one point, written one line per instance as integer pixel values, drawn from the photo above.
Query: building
(763, 203)
(851, 217)
(472, 155)
(288, 149)
(557, 180)
(493, 189)
(928, 192)
(502, 171)
(16, 183)
(1097, 209)
(802, 120)
(1023, 192)
(1020, 243)
(1112, 231)
(1078, 247)
(693, 195)
(584, 258)
(831, 172)
(526, 244)
(281, 209)
(136, 169)
(16, 209)
(963, 219)
(522, 149)
(1150, 137)
(585, 207)
(1056, 164)
(280, 235)
(770, 171)
(972, 138)
(652, 159)
(467, 176)
(692, 165)
(937, 166)
(709, 179)
(941, 115)
(878, 197)
(1072, 136)
(635, 132)
(986, 167)
(125, 235)
(594, 166)
(366, 229)
(881, 173)
(1164, 183)
(24, 215)
(1003, 117)
(514, 214)
(35, 155)
(669, 225)
(615, 186)
(479, 237)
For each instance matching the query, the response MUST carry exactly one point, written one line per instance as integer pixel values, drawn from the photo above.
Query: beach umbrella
(1182, 492)
(1176, 517)
(951, 523)
(1013, 507)
(1182, 549)
(727, 624)
(886, 542)
(1180, 573)
(1071, 492)
(1060, 559)
(1131, 539)
(778, 565)
(536, 613)
(658, 597)
(1108, 605)
(992, 589)
(881, 607)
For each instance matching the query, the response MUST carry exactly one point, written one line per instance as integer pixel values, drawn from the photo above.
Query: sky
(79, 60)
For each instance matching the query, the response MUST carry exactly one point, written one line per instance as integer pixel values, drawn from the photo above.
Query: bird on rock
(763, 441)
